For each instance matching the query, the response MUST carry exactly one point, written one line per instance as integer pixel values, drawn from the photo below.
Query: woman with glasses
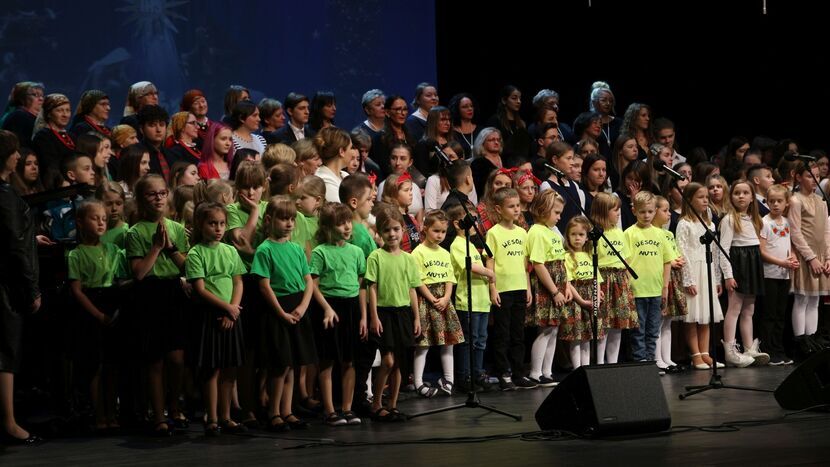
(183, 144)
(394, 132)
(486, 156)
(141, 94)
(92, 114)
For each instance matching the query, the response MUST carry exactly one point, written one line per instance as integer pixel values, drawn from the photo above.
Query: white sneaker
(734, 357)
(754, 351)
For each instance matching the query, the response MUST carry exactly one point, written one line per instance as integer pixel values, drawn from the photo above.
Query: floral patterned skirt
(677, 307)
(575, 324)
(618, 309)
(438, 327)
(546, 313)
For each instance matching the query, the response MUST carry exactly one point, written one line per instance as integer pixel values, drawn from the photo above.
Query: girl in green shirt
(340, 317)
(94, 267)
(155, 249)
(112, 195)
(215, 270)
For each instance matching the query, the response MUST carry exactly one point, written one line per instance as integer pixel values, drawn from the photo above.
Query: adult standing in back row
(19, 291)
(297, 108)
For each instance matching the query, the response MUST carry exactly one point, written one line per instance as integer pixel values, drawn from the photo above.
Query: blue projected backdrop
(272, 48)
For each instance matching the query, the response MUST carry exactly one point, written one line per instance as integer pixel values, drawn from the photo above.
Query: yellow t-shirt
(509, 247)
(480, 285)
(649, 252)
(607, 258)
(675, 253)
(543, 244)
(580, 267)
(435, 264)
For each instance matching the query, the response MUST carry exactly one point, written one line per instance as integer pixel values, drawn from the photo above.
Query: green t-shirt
(509, 249)
(305, 230)
(480, 285)
(362, 238)
(435, 264)
(116, 235)
(579, 266)
(97, 266)
(139, 239)
(544, 245)
(649, 252)
(284, 263)
(339, 269)
(237, 218)
(216, 264)
(394, 275)
(606, 257)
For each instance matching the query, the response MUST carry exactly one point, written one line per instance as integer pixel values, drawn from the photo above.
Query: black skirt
(398, 330)
(11, 333)
(747, 269)
(253, 305)
(275, 342)
(161, 309)
(214, 347)
(94, 343)
(303, 348)
(340, 342)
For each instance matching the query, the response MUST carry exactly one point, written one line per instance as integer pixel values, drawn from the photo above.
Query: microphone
(442, 156)
(661, 166)
(799, 157)
(555, 171)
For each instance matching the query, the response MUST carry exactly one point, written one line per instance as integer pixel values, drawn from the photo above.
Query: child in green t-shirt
(510, 292)
(155, 248)
(651, 257)
(393, 276)
(439, 322)
(215, 270)
(310, 194)
(340, 317)
(94, 266)
(356, 193)
(286, 286)
(112, 195)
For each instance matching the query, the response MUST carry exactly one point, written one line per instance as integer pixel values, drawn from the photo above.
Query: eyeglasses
(492, 140)
(399, 110)
(157, 194)
(36, 95)
(191, 122)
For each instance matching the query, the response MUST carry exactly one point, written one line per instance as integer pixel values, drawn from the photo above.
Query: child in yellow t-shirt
(651, 256)
(511, 291)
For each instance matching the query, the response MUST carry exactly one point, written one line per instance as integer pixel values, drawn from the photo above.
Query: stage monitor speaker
(808, 385)
(601, 400)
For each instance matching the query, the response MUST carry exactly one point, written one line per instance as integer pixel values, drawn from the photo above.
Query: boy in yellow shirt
(651, 257)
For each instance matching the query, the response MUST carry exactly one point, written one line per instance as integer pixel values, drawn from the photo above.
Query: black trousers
(772, 316)
(508, 333)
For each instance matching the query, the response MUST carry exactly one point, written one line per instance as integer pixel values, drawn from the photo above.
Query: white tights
(743, 307)
(580, 353)
(805, 315)
(662, 350)
(541, 354)
(612, 347)
(421, 361)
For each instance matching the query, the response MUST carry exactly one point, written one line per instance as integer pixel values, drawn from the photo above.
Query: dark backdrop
(716, 68)
(272, 47)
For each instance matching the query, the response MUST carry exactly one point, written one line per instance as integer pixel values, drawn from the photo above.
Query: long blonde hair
(688, 195)
(751, 211)
(601, 206)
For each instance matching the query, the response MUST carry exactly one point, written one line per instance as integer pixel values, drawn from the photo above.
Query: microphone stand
(715, 381)
(473, 401)
(595, 234)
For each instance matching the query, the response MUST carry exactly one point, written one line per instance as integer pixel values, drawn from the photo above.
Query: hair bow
(528, 176)
(509, 172)
(404, 177)
(373, 177)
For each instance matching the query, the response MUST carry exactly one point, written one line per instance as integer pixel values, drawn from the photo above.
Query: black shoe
(777, 360)
(544, 382)
(10, 440)
(163, 429)
(229, 426)
(525, 383)
(482, 385)
(212, 429)
(277, 427)
(506, 384)
(295, 424)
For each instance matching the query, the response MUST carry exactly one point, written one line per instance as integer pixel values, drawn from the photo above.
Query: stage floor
(802, 439)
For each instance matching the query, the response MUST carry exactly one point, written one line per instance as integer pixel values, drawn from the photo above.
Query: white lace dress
(694, 271)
